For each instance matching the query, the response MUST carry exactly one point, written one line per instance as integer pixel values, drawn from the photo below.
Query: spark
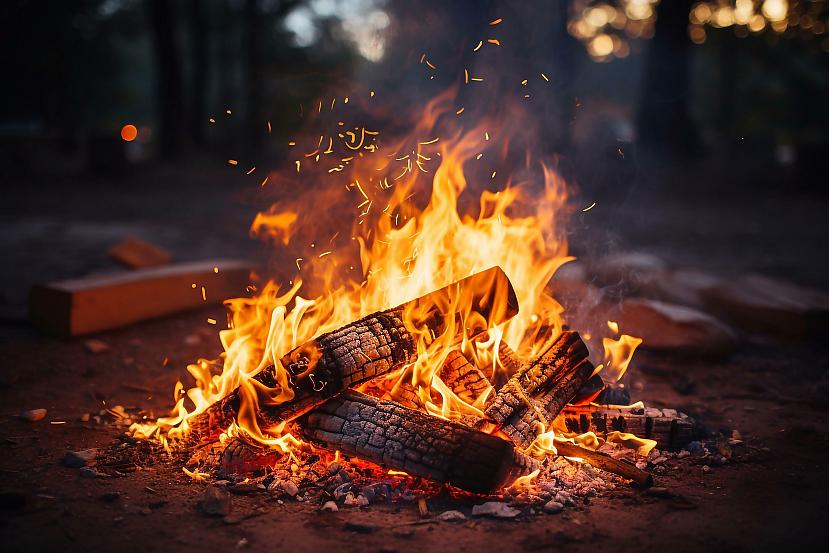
(371, 93)
(297, 165)
(291, 143)
(476, 79)
(216, 269)
(429, 141)
(333, 101)
(479, 156)
(478, 47)
(588, 208)
(495, 21)
(323, 254)
(264, 181)
(269, 127)
(212, 120)
(422, 57)
(57, 422)
(227, 111)
(465, 75)
(494, 41)
(459, 111)
(543, 76)
(524, 82)
(298, 259)
(429, 64)
(233, 162)
(193, 286)
(203, 294)
(345, 101)
(252, 169)
(486, 135)
(492, 176)
(211, 321)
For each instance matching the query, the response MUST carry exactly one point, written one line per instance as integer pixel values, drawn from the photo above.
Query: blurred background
(699, 129)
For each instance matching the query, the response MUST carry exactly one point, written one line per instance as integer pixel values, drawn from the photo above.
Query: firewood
(528, 403)
(134, 253)
(462, 377)
(395, 437)
(605, 462)
(671, 430)
(102, 302)
(372, 346)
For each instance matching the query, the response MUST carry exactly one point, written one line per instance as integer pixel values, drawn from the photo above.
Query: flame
(363, 243)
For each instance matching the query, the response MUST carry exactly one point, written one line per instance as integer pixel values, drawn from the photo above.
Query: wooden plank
(134, 253)
(102, 302)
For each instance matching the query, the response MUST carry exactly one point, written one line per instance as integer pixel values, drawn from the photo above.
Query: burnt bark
(393, 436)
(529, 402)
(375, 345)
(670, 429)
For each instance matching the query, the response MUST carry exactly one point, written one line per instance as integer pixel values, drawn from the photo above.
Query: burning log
(372, 346)
(528, 403)
(670, 429)
(605, 462)
(393, 436)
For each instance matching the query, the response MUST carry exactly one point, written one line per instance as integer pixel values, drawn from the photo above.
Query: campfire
(434, 353)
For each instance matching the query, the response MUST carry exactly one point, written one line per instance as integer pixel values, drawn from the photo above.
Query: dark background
(701, 134)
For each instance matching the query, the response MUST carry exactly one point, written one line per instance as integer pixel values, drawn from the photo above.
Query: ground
(773, 393)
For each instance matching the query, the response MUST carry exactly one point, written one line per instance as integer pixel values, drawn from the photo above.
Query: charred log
(370, 347)
(393, 436)
(528, 403)
(670, 429)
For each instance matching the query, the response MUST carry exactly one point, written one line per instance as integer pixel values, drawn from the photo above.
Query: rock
(89, 472)
(216, 501)
(451, 516)
(362, 500)
(495, 509)
(629, 271)
(33, 415)
(78, 459)
(763, 304)
(329, 507)
(95, 346)
(669, 327)
(289, 487)
(553, 507)
(242, 543)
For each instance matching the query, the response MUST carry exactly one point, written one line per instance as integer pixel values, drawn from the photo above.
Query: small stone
(553, 507)
(451, 516)
(659, 460)
(78, 459)
(329, 507)
(89, 472)
(33, 415)
(242, 543)
(289, 487)
(216, 501)
(350, 500)
(342, 490)
(95, 346)
(706, 469)
(495, 509)
(362, 501)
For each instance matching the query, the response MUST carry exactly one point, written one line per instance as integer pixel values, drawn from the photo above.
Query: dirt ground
(774, 495)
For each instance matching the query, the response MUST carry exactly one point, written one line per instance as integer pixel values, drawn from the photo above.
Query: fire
(384, 221)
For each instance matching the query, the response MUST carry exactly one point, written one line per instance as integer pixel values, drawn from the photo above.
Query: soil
(774, 496)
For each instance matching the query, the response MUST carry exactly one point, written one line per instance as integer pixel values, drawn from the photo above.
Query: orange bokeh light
(129, 133)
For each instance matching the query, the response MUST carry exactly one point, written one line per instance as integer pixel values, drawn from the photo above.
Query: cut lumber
(102, 302)
(422, 445)
(605, 462)
(134, 253)
(528, 403)
(372, 346)
(670, 429)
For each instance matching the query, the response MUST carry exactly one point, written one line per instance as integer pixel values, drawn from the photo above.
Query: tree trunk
(170, 102)
(663, 120)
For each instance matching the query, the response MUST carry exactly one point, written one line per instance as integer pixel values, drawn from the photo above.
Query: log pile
(396, 432)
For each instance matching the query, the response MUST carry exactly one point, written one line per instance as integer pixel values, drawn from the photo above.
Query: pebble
(451, 516)
(496, 509)
(78, 459)
(329, 507)
(288, 487)
(553, 507)
(216, 501)
(89, 472)
(95, 346)
(706, 469)
(33, 415)
(362, 500)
